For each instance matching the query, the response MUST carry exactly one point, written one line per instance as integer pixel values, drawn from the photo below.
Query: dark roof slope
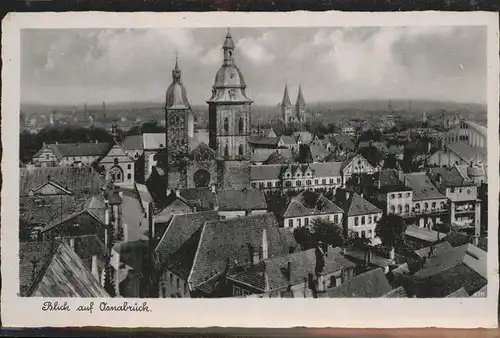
(200, 198)
(33, 259)
(78, 149)
(371, 284)
(249, 199)
(180, 229)
(356, 205)
(228, 241)
(450, 177)
(423, 188)
(79, 180)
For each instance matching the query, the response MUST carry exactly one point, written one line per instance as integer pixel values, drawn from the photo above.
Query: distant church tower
(178, 118)
(300, 106)
(286, 106)
(229, 110)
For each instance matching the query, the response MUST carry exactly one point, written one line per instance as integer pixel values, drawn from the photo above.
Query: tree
(304, 238)
(327, 232)
(390, 229)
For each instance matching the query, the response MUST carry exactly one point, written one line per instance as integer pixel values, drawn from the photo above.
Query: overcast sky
(333, 64)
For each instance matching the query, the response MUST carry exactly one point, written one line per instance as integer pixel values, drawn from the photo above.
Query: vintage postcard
(250, 169)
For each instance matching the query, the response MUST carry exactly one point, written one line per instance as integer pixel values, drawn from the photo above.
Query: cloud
(212, 56)
(256, 49)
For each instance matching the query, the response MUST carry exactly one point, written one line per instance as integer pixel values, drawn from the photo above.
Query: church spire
(228, 48)
(300, 97)
(176, 72)
(286, 98)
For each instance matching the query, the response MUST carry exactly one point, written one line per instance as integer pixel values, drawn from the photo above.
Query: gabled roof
(349, 160)
(337, 140)
(356, 206)
(283, 156)
(450, 177)
(272, 274)
(264, 141)
(180, 229)
(87, 246)
(310, 203)
(329, 169)
(318, 152)
(400, 292)
(288, 140)
(460, 293)
(233, 200)
(79, 180)
(202, 199)
(422, 186)
(305, 136)
(371, 284)
(468, 153)
(227, 241)
(76, 149)
(36, 210)
(116, 152)
(55, 270)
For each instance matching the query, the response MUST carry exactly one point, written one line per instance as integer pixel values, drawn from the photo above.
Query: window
(331, 180)
(400, 209)
(254, 185)
(363, 234)
(370, 233)
(393, 209)
(400, 195)
(426, 206)
(185, 288)
(417, 206)
(129, 176)
(240, 149)
(338, 180)
(316, 182)
(129, 166)
(241, 126)
(375, 219)
(236, 291)
(460, 190)
(226, 124)
(362, 220)
(178, 283)
(452, 190)
(392, 196)
(290, 223)
(115, 161)
(468, 191)
(308, 182)
(298, 183)
(261, 184)
(356, 221)
(442, 205)
(306, 221)
(323, 181)
(226, 151)
(336, 218)
(269, 184)
(369, 220)
(433, 205)
(288, 183)
(407, 208)
(299, 222)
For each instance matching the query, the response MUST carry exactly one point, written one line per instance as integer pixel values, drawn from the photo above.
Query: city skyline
(114, 65)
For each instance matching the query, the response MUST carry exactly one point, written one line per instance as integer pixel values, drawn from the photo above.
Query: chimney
(264, 245)
(95, 271)
(72, 243)
(254, 255)
(212, 187)
(169, 191)
(362, 196)
(347, 195)
(400, 175)
(177, 193)
(320, 259)
(96, 141)
(289, 274)
(58, 143)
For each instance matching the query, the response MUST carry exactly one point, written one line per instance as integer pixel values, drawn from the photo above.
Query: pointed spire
(176, 60)
(300, 97)
(176, 72)
(228, 35)
(286, 98)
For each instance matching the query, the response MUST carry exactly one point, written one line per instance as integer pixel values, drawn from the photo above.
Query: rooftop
(427, 235)
(249, 199)
(77, 149)
(356, 206)
(423, 188)
(371, 284)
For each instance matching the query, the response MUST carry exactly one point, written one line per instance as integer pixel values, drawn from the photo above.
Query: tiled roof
(371, 284)
(467, 254)
(229, 240)
(94, 206)
(272, 274)
(78, 180)
(310, 203)
(422, 186)
(87, 246)
(153, 140)
(283, 156)
(261, 155)
(133, 142)
(288, 140)
(201, 198)
(33, 259)
(63, 274)
(306, 136)
(460, 293)
(427, 235)
(180, 229)
(116, 152)
(318, 152)
(438, 249)
(264, 141)
(381, 146)
(394, 150)
(400, 292)
(249, 199)
(134, 253)
(265, 172)
(356, 206)
(345, 140)
(329, 169)
(451, 177)
(144, 193)
(78, 149)
(36, 210)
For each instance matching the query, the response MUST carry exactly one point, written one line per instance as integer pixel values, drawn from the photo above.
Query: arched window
(129, 166)
(241, 126)
(226, 151)
(400, 209)
(417, 206)
(129, 176)
(362, 220)
(226, 124)
(240, 149)
(433, 205)
(442, 205)
(426, 206)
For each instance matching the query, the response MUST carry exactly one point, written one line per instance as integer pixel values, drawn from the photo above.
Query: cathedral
(225, 161)
(287, 113)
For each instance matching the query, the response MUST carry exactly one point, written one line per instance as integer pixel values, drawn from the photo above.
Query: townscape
(187, 206)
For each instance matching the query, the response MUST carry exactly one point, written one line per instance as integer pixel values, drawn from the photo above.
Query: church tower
(229, 110)
(286, 106)
(178, 116)
(300, 106)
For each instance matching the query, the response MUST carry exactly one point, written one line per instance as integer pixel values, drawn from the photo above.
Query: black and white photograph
(255, 162)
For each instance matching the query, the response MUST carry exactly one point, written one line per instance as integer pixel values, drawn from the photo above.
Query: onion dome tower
(229, 110)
